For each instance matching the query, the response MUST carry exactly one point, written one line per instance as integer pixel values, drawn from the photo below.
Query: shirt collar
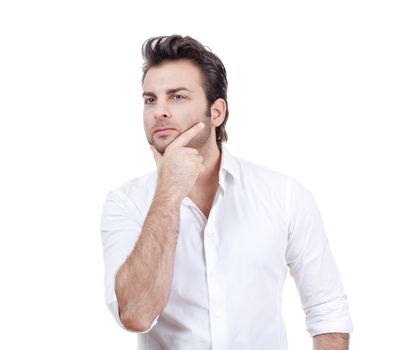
(229, 170)
(228, 165)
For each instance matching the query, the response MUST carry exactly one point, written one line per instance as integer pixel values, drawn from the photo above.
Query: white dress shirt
(230, 268)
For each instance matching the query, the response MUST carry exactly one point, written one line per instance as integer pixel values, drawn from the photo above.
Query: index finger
(183, 139)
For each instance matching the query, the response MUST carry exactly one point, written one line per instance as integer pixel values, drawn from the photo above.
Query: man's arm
(143, 282)
(331, 341)
(313, 267)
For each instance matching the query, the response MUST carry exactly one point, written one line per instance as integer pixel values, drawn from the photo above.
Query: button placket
(218, 319)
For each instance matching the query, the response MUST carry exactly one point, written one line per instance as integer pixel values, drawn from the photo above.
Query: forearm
(331, 341)
(144, 281)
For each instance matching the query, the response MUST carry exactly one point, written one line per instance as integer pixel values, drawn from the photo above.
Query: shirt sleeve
(313, 267)
(120, 230)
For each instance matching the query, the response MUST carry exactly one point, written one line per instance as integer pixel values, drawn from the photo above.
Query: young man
(196, 251)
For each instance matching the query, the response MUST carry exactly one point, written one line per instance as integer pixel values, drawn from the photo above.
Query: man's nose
(161, 110)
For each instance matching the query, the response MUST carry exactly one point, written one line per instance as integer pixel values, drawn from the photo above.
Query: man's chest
(203, 200)
(236, 248)
(235, 232)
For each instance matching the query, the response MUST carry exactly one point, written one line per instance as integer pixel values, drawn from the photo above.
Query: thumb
(157, 156)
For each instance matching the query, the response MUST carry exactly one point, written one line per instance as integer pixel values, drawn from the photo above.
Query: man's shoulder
(138, 190)
(260, 175)
(265, 181)
(254, 172)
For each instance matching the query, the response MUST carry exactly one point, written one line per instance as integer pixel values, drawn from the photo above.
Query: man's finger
(183, 139)
(157, 156)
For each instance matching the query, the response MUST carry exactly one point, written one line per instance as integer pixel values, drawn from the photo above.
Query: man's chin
(161, 146)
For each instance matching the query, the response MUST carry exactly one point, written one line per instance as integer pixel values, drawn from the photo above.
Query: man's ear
(218, 112)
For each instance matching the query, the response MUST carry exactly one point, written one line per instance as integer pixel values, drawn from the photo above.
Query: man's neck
(210, 177)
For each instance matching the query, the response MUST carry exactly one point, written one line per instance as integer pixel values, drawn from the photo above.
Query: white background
(317, 91)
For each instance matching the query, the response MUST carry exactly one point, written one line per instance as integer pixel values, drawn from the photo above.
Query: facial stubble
(198, 142)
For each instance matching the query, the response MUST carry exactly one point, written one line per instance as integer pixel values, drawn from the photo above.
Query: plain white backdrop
(317, 90)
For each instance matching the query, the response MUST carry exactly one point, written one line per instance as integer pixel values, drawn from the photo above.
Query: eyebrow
(168, 92)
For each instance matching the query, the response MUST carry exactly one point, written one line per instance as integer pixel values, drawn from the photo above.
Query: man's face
(174, 98)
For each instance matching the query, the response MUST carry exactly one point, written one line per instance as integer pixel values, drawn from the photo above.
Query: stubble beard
(201, 139)
(198, 142)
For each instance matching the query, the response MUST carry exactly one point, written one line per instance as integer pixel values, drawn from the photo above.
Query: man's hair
(175, 47)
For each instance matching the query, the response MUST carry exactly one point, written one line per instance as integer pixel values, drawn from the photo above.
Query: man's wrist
(331, 341)
(168, 196)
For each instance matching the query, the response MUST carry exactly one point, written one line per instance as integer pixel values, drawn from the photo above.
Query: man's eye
(178, 97)
(148, 101)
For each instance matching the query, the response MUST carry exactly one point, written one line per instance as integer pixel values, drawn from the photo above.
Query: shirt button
(209, 234)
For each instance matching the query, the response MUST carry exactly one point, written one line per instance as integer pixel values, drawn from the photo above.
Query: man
(196, 251)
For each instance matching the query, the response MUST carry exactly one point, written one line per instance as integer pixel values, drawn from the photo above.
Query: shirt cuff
(329, 317)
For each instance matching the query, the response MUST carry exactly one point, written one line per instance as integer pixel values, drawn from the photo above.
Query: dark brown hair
(175, 47)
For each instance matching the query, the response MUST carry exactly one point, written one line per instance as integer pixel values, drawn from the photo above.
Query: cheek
(147, 122)
(148, 115)
(198, 111)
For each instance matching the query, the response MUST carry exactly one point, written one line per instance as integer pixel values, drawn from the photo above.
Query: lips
(159, 130)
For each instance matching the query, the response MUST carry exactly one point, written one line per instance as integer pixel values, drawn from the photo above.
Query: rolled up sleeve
(313, 267)
(120, 229)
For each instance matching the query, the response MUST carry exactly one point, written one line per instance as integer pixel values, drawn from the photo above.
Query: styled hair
(176, 47)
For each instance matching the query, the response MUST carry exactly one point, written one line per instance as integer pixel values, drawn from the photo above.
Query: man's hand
(331, 341)
(180, 166)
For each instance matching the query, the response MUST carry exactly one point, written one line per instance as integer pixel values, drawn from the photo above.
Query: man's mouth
(164, 131)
